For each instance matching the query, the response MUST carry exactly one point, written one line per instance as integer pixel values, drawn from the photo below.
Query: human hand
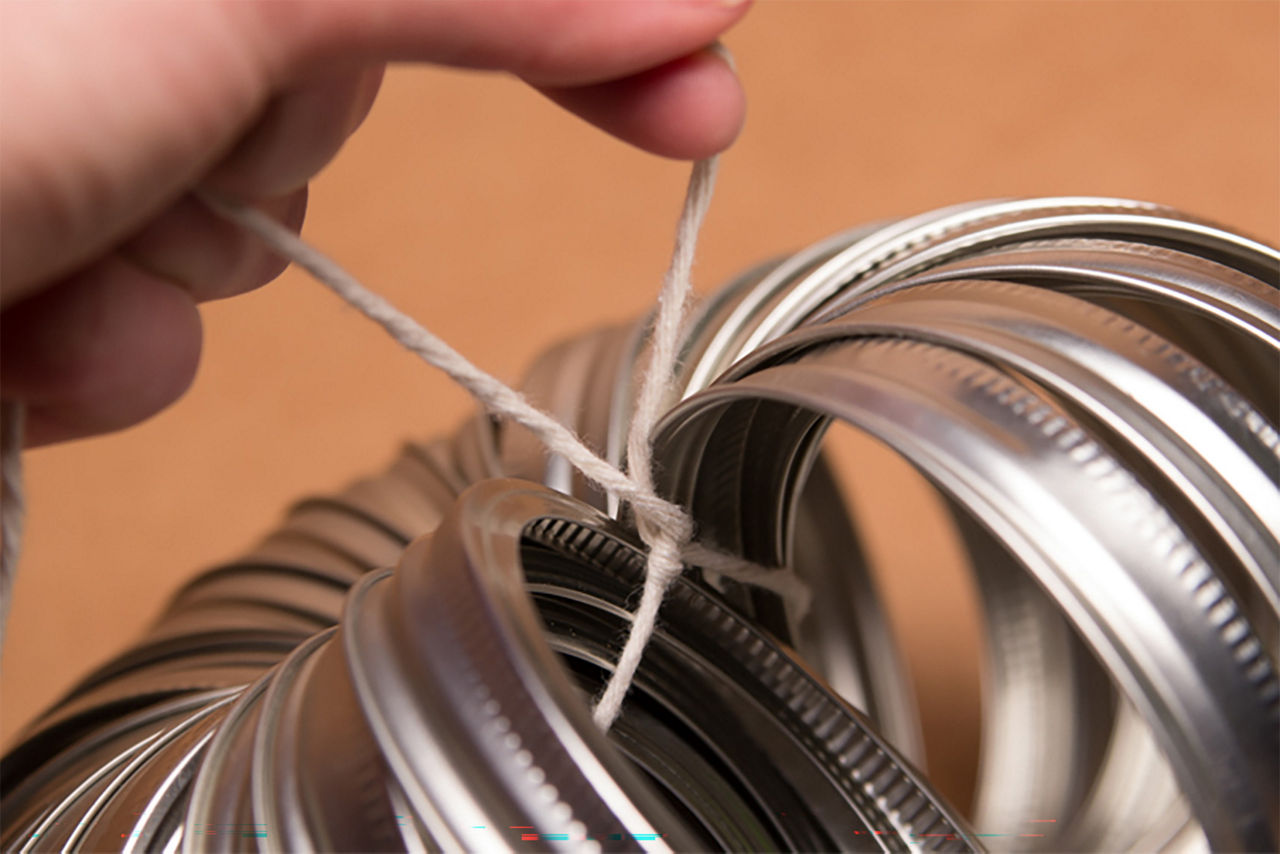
(112, 113)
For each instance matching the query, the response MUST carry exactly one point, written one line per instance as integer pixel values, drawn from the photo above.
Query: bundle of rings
(1093, 387)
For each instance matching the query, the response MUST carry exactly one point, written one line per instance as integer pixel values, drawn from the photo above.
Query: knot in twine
(665, 527)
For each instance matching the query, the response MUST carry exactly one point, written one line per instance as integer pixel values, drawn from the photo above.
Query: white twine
(12, 503)
(665, 527)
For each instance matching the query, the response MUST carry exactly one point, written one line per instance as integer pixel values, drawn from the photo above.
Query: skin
(104, 253)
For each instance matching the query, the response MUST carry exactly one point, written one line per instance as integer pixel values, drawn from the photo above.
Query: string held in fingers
(12, 503)
(665, 527)
(665, 538)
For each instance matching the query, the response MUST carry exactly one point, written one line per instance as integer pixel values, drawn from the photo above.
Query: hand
(111, 113)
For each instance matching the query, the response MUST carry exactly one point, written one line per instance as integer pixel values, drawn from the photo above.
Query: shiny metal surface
(995, 446)
(849, 780)
(479, 686)
(1159, 404)
(1092, 385)
(1230, 320)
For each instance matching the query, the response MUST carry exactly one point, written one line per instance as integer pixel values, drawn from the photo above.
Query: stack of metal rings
(1092, 385)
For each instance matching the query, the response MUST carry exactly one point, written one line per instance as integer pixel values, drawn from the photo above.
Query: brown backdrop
(504, 224)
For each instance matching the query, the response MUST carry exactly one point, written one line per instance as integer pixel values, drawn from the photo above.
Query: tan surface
(504, 224)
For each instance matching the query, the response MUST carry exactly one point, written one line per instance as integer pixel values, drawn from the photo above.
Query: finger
(207, 256)
(98, 352)
(93, 148)
(550, 43)
(607, 48)
(300, 131)
(110, 112)
(690, 108)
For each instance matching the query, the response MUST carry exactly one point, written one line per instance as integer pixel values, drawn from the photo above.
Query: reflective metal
(1093, 385)
(1108, 552)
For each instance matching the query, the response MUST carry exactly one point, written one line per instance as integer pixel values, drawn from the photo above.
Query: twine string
(13, 508)
(665, 527)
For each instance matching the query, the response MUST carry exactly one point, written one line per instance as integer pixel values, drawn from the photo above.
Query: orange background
(504, 225)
